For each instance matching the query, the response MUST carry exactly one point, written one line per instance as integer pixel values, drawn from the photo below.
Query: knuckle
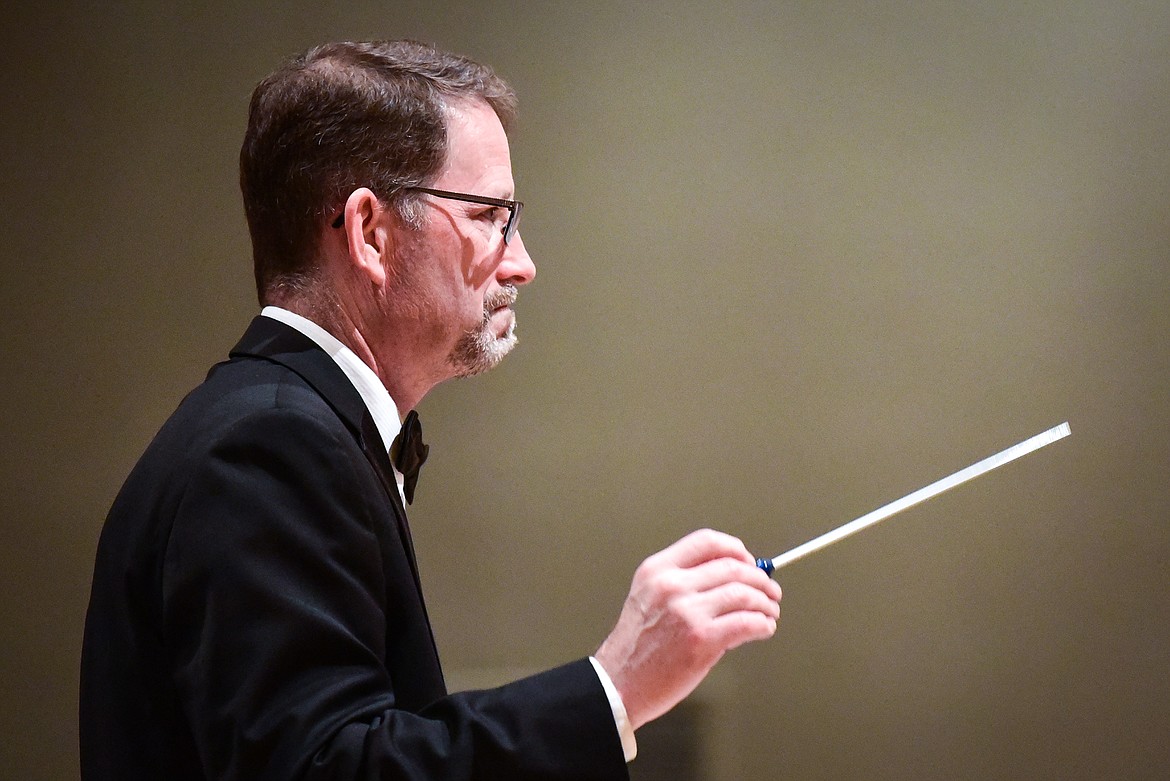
(752, 595)
(650, 567)
(669, 583)
(698, 635)
(736, 569)
(739, 593)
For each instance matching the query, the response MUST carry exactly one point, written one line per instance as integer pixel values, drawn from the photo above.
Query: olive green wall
(795, 260)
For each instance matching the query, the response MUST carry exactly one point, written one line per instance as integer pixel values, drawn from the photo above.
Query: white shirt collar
(382, 408)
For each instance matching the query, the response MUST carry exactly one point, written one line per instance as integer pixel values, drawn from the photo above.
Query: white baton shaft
(921, 495)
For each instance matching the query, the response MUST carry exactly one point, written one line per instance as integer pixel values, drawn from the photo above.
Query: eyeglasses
(513, 207)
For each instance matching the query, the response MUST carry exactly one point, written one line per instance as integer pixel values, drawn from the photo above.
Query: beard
(480, 349)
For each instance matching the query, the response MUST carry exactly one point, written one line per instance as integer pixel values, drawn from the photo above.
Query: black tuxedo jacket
(256, 610)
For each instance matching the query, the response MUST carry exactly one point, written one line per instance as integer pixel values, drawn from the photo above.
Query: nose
(516, 267)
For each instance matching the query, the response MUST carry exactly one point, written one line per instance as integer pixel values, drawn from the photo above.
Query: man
(256, 610)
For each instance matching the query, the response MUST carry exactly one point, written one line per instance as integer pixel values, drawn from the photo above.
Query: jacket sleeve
(276, 616)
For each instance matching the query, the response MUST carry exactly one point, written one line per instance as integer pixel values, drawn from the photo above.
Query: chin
(479, 351)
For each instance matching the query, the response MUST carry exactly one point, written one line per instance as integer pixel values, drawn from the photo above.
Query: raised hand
(688, 605)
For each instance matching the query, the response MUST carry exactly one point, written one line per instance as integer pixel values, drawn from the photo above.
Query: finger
(734, 597)
(734, 629)
(716, 572)
(704, 545)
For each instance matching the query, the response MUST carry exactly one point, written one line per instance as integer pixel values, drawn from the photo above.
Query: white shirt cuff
(629, 744)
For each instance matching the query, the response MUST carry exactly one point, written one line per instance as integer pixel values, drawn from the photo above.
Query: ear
(368, 239)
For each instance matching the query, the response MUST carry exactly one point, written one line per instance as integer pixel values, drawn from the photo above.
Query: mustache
(505, 296)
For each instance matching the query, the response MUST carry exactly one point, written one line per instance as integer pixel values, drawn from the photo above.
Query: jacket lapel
(274, 341)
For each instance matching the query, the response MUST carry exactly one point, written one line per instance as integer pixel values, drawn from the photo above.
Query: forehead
(477, 151)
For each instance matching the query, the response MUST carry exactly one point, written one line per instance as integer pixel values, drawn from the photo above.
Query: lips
(502, 319)
(499, 301)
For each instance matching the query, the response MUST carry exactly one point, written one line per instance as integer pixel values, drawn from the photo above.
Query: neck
(400, 375)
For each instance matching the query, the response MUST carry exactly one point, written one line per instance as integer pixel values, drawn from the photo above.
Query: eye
(495, 214)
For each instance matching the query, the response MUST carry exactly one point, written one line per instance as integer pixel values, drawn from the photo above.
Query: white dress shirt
(385, 414)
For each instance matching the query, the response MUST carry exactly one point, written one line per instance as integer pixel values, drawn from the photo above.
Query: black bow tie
(408, 452)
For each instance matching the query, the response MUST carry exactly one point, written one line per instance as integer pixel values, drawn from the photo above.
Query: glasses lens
(513, 222)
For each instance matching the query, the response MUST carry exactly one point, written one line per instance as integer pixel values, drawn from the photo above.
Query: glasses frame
(513, 207)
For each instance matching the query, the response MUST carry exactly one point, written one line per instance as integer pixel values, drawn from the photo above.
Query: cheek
(475, 302)
(480, 265)
(463, 302)
(456, 276)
